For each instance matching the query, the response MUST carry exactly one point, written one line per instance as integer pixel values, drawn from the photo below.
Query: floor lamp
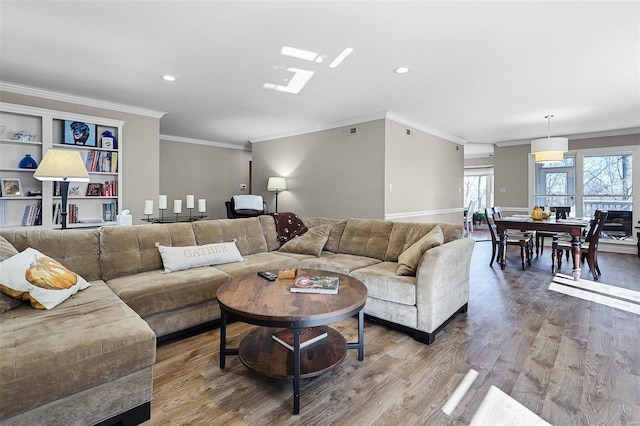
(64, 166)
(276, 184)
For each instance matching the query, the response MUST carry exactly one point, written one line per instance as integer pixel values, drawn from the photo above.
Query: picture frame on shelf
(94, 190)
(11, 187)
(79, 133)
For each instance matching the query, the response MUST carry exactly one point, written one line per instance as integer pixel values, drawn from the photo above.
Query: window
(607, 183)
(478, 187)
(555, 183)
(589, 180)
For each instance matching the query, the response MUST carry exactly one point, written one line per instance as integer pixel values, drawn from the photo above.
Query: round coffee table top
(255, 300)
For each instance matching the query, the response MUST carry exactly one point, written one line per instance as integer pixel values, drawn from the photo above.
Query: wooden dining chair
(560, 213)
(588, 246)
(525, 241)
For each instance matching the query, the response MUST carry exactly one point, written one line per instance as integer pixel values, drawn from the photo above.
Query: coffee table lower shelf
(260, 353)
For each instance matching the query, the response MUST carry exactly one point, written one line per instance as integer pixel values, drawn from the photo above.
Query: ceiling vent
(350, 131)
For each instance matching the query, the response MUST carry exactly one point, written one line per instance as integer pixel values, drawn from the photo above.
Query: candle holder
(149, 218)
(190, 210)
(161, 215)
(176, 217)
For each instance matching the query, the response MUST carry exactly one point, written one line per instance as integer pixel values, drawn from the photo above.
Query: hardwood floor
(570, 361)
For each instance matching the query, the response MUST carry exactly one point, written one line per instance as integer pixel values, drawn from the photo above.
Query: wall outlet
(243, 187)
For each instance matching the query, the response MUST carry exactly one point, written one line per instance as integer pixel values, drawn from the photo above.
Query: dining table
(572, 226)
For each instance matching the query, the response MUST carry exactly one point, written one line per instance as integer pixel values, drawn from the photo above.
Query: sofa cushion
(337, 262)
(91, 339)
(30, 275)
(409, 259)
(337, 228)
(6, 251)
(78, 250)
(151, 292)
(180, 258)
(405, 234)
(364, 237)
(126, 250)
(258, 262)
(311, 242)
(383, 283)
(247, 233)
(269, 230)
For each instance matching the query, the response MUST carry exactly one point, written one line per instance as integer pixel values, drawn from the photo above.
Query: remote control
(268, 276)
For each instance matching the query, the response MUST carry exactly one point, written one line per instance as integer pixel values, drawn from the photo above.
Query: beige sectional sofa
(90, 358)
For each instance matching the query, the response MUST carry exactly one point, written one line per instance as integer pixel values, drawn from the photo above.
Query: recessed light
(401, 70)
(167, 77)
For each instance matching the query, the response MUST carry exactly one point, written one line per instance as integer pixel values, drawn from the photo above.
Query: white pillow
(33, 276)
(179, 258)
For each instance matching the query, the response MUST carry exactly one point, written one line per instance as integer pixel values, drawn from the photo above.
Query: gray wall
(332, 175)
(328, 174)
(140, 148)
(209, 172)
(426, 173)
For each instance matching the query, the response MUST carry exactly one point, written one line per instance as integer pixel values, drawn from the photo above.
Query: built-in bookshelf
(90, 204)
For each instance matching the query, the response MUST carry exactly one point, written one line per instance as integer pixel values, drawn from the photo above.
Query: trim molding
(203, 142)
(79, 100)
(406, 215)
(322, 127)
(389, 115)
(602, 134)
(404, 120)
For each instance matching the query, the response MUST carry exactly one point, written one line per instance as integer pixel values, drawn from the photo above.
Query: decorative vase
(28, 163)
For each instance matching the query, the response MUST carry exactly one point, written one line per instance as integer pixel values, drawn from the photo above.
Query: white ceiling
(481, 71)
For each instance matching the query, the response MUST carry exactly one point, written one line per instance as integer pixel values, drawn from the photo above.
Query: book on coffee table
(315, 284)
(308, 336)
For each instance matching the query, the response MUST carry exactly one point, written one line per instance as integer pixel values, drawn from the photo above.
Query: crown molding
(79, 100)
(322, 127)
(435, 132)
(590, 135)
(390, 115)
(204, 142)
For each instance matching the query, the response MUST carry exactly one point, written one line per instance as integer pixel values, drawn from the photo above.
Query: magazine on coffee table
(308, 336)
(315, 284)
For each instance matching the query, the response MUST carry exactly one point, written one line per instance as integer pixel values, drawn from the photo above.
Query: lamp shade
(276, 184)
(62, 165)
(549, 149)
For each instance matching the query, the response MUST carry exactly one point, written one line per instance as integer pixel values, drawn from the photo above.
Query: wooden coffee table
(270, 304)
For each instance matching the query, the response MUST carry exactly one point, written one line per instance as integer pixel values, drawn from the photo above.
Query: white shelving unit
(48, 128)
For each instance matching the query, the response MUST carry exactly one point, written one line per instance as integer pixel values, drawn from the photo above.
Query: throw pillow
(410, 258)
(6, 249)
(45, 282)
(180, 258)
(311, 242)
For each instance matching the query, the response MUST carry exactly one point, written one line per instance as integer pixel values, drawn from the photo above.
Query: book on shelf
(32, 215)
(308, 336)
(109, 211)
(101, 161)
(315, 284)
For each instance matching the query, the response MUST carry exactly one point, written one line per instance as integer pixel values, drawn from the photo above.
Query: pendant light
(549, 149)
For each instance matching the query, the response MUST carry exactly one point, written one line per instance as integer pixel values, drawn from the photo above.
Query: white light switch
(390, 187)
(503, 190)
(243, 187)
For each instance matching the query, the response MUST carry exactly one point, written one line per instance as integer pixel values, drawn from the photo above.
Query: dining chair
(525, 241)
(588, 246)
(468, 217)
(560, 213)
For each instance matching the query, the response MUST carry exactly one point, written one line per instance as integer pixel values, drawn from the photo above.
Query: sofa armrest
(442, 282)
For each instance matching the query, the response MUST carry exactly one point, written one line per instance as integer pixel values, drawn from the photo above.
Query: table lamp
(276, 184)
(65, 166)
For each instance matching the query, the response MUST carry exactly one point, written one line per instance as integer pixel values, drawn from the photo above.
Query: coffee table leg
(360, 344)
(223, 339)
(296, 370)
